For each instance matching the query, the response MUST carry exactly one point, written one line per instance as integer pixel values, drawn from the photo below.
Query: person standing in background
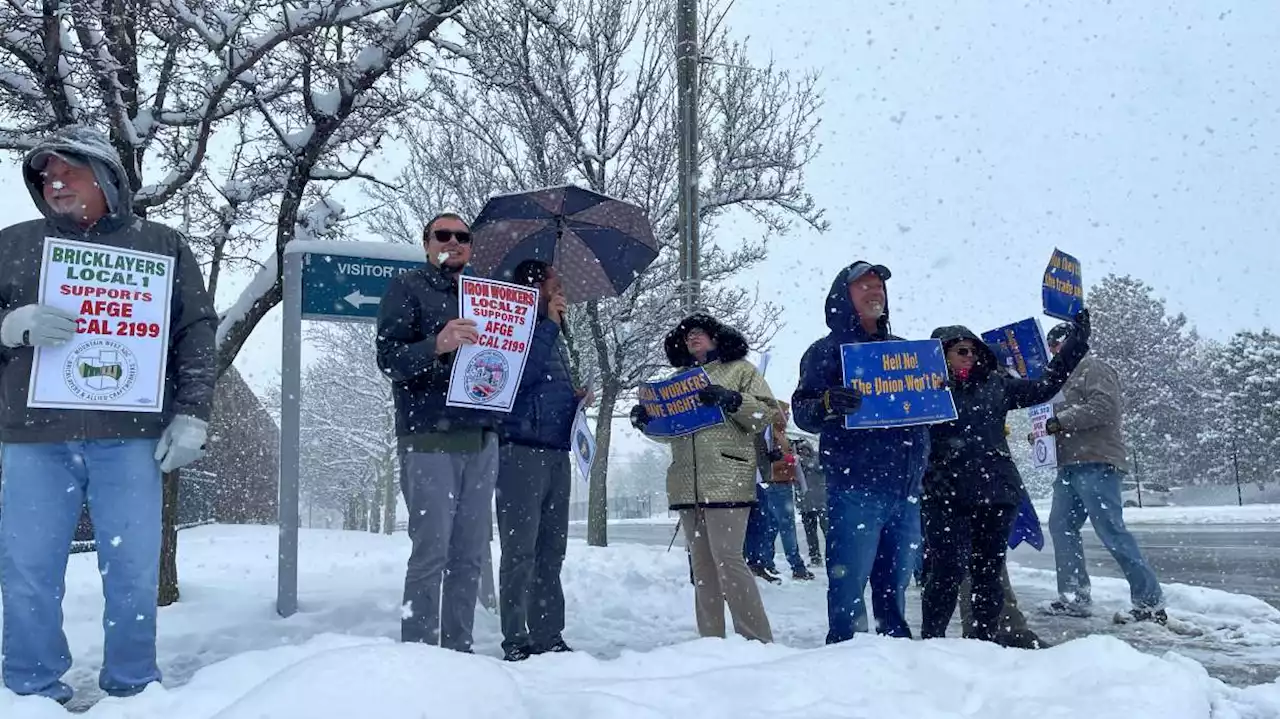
(812, 500)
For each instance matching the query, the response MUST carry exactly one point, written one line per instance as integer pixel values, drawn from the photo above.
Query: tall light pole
(687, 60)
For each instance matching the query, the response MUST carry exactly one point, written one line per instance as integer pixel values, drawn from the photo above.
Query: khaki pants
(1011, 618)
(715, 538)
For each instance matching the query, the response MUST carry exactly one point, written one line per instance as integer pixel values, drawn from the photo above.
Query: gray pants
(533, 529)
(448, 498)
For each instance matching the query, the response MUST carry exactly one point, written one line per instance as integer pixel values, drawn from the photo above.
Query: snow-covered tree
(587, 95)
(1163, 372)
(300, 91)
(1248, 381)
(348, 429)
(642, 473)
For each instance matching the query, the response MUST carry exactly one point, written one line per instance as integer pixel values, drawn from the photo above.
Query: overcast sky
(961, 144)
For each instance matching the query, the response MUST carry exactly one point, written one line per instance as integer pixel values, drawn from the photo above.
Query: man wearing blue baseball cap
(873, 475)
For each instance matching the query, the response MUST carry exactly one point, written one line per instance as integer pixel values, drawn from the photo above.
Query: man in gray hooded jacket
(56, 459)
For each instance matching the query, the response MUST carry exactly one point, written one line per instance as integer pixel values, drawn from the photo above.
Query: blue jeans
(758, 547)
(782, 505)
(874, 537)
(1092, 490)
(43, 490)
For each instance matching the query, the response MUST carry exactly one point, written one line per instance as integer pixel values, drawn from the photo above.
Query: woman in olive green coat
(712, 477)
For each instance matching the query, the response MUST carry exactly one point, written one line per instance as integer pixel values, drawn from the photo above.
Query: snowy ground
(226, 655)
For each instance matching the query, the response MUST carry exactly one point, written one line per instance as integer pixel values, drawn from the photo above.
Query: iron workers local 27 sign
(117, 359)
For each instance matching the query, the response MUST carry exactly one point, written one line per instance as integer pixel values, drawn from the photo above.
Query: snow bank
(1223, 618)
(1248, 514)
(874, 677)
(226, 655)
(1217, 514)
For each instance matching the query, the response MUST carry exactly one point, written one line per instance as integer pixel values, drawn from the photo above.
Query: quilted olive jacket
(715, 467)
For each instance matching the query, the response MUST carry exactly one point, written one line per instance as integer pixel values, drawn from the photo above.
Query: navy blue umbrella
(598, 245)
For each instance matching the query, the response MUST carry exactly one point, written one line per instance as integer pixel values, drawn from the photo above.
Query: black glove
(717, 396)
(639, 417)
(841, 401)
(775, 455)
(1053, 426)
(1084, 327)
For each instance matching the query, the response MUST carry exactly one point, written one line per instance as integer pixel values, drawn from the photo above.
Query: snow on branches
(299, 91)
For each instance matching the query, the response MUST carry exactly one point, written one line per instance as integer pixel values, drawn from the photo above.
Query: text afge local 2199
(502, 308)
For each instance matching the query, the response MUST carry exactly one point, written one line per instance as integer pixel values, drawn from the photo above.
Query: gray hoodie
(192, 326)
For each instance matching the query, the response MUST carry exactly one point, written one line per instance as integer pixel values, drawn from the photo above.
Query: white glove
(38, 326)
(182, 443)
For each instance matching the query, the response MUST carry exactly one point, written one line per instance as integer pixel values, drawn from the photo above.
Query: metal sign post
(334, 281)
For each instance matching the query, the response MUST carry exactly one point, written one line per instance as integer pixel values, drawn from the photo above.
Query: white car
(1153, 495)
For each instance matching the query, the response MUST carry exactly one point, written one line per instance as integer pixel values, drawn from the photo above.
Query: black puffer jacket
(969, 459)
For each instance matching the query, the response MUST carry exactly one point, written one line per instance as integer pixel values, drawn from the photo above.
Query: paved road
(1243, 558)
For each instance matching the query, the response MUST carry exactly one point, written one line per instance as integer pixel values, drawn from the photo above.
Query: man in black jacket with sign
(448, 455)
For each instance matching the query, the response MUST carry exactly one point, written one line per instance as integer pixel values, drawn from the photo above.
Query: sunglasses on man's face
(964, 351)
(443, 236)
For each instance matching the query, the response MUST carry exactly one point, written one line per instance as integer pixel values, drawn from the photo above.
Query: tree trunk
(376, 502)
(390, 496)
(598, 488)
(351, 514)
(169, 542)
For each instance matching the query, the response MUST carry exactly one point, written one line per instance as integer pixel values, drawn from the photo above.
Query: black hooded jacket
(969, 459)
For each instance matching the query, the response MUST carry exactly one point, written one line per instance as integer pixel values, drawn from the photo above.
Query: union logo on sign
(100, 370)
(486, 375)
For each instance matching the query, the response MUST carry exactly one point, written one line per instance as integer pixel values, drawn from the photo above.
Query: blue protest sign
(1063, 291)
(1020, 347)
(902, 383)
(673, 405)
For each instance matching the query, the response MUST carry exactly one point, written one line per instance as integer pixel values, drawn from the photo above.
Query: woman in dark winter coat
(972, 487)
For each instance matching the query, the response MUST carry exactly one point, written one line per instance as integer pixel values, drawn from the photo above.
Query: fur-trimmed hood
(731, 345)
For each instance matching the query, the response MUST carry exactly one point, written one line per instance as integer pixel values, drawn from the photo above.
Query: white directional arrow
(357, 300)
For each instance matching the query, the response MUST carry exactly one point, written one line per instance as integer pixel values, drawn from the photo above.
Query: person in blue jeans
(759, 546)
(873, 475)
(1092, 462)
(54, 460)
(777, 468)
(782, 503)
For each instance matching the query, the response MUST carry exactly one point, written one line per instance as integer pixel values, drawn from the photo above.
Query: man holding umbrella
(534, 479)
(448, 455)
(574, 245)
